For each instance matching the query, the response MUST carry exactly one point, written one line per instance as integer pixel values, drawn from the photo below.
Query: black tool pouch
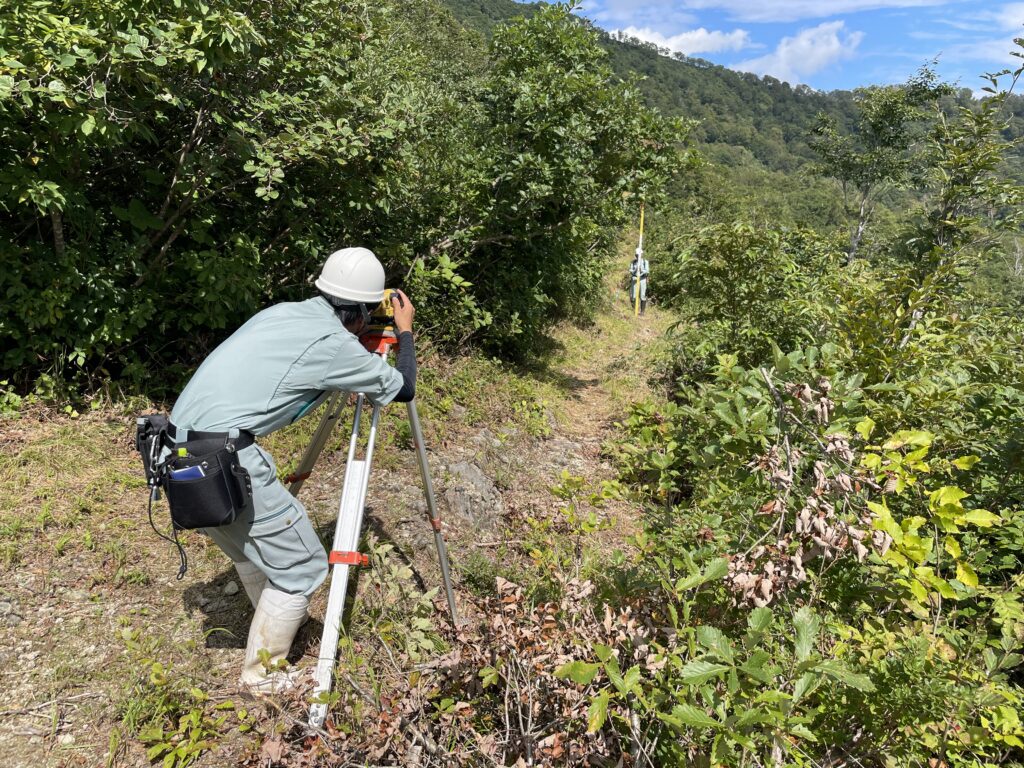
(213, 495)
(217, 498)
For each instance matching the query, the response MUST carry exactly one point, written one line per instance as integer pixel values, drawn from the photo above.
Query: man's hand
(404, 311)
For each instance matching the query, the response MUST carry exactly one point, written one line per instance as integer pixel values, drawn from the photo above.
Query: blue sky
(828, 44)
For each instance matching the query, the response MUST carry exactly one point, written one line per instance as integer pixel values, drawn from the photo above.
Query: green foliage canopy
(166, 170)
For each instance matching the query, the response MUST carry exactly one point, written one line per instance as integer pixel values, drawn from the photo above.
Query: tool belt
(205, 483)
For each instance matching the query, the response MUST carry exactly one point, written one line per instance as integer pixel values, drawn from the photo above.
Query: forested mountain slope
(767, 117)
(741, 117)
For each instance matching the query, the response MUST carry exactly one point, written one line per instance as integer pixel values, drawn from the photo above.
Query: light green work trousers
(632, 290)
(276, 534)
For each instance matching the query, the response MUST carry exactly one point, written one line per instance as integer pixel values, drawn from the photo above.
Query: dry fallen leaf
(273, 749)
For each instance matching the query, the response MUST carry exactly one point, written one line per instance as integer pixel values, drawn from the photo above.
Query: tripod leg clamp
(296, 476)
(334, 557)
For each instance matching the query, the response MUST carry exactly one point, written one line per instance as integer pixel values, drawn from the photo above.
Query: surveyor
(638, 271)
(274, 370)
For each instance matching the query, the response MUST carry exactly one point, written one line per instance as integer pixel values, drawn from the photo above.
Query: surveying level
(379, 338)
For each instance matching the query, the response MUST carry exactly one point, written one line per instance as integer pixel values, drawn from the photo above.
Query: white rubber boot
(278, 617)
(253, 580)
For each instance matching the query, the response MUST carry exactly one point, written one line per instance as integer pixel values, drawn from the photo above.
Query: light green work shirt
(277, 367)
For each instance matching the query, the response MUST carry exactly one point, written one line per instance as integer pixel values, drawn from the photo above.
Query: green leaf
(865, 427)
(759, 620)
(597, 714)
(979, 517)
(952, 546)
(803, 732)
(755, 666)
(915, 438)
(807, 625)
(966, 575)
(630, 679)
(752, 717)
(807, 682)
(715, 640)
(88, 125)
(699, 671)
(580, 672)
(689, 715)
(715, 570)
(140, 217)
(966, 462)
(948, 495)
(838, 671)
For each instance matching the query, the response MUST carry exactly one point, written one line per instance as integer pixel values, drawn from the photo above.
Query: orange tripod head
(380, 335)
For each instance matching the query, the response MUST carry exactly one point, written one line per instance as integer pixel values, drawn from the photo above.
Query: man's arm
(405, 362)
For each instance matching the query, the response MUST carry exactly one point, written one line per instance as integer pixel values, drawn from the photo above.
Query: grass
(60, 479)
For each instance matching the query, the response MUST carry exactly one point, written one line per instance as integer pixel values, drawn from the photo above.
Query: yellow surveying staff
(639, 269)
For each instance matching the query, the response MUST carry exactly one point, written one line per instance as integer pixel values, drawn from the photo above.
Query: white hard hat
(353, 274)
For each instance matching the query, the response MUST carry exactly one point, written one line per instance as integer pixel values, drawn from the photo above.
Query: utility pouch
(206, 490)
(206, 485)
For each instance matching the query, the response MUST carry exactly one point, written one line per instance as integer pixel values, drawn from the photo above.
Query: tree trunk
(57, 220)
(858, 231)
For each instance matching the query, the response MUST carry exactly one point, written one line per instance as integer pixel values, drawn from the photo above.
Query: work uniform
(272, 371)
(638, 271)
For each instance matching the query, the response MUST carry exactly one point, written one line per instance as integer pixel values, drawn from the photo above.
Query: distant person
(269, 373)
(639, 269)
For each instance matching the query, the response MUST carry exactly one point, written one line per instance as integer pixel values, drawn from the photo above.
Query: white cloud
(1011, 16)
(994, 50)
(794, 10)
(808, 52)
(995, 31)
(640, 13)
(695, 40)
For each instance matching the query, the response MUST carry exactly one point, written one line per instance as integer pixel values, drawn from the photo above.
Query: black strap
(244, 440)
(182, 557)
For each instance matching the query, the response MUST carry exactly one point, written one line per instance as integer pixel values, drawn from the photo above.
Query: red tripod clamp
(336, 557)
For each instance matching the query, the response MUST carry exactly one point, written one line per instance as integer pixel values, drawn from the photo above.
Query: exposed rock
(231, 588)
(10, 616)
(565, 454)
(485, 439)
(472, 497)
(66, 740)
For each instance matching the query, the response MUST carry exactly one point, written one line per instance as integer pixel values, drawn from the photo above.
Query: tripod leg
(332, 412)
(435, 518)
(343, 554)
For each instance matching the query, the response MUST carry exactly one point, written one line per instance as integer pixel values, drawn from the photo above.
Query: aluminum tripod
(350, 522)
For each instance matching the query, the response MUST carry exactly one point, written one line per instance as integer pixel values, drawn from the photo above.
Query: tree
(881, 154)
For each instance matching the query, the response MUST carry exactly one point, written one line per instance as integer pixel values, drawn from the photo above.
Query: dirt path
(89, 603)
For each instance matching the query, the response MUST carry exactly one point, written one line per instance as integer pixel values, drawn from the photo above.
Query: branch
(185, 149)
